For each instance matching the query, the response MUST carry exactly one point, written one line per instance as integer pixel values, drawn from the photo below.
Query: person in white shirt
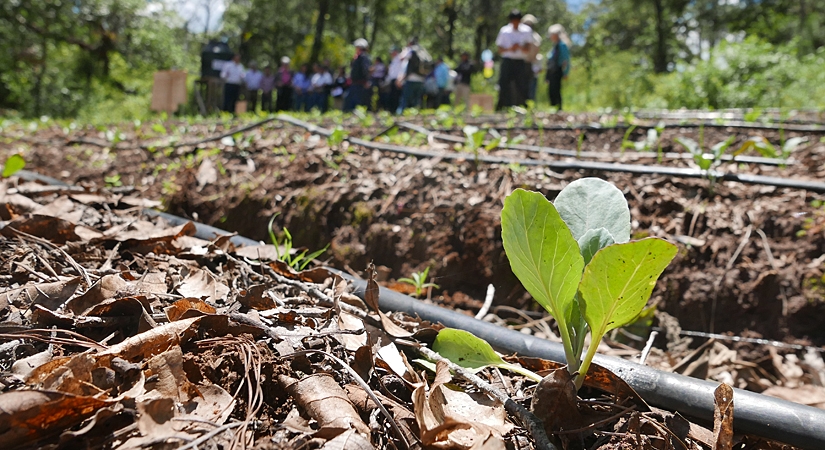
(394, 72)
(320, 82)
(533, 55)
(232, 74)
(514, 42)
(253, 80)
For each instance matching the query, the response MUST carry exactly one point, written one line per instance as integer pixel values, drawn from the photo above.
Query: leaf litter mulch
(122, 332)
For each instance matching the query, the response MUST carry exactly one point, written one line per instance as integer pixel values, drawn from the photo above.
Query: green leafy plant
(13, 164)
(707, 161)
(768, 150)
(113, 181)
(475, 140)
(648, 143)
(576, 259)
(297, 261)
(473, 353)
(419, 281)
(337, 137)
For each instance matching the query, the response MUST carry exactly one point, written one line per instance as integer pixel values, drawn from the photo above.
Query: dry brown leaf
(326, 402)
(203, 285)
(806, 394)
(177, 310)
(723, 417)
(150, 343)
(27, 416)
(254, 298)
(352, 342)
(371, 294)
(169, 378)
(555, 403)
(317, 275)
(49, 295)
(53, 229)
(214, 405)
(107, 287)
(265, 252)
(449, 419)
(348, 440)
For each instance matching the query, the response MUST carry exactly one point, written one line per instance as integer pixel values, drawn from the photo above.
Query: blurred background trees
(81, 58)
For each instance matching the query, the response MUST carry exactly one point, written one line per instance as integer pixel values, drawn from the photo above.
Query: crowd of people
(411, 78)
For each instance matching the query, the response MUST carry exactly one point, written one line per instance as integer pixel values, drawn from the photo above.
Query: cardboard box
(169, 90)
(486, 101)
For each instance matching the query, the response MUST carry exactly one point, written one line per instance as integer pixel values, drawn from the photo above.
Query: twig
(533, 425)
(772, 262)
(77, 267)
(648, 346)
(210, 435)
(488, 301)
(600, 422)
(364, 386)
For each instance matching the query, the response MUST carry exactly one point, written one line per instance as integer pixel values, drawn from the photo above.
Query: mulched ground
(192, 340)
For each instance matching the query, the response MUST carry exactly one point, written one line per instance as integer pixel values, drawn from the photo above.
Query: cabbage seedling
(576, 259)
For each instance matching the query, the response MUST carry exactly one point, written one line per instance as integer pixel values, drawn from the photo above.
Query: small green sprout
(419, 281)
(13, 164)
(298, 261)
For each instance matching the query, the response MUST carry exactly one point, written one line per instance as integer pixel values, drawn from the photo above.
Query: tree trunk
(451, 9)
(378, 13)
(318, 40)
(660, 52)
(38, 84)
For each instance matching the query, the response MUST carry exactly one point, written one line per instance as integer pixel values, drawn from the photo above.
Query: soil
(750, 262)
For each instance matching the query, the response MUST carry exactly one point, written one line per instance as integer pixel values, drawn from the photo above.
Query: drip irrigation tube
(730, 124)
(576, 154)
(813, 186)
(755, 414)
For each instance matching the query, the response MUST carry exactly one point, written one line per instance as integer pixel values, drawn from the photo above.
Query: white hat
(285, 60)
(529, 19)
(555, 29)
(361, 43)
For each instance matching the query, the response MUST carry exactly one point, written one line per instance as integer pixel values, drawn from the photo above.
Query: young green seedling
(299, 261)
(473, 353)
(419, 281)
(576, 260)
(13, 164)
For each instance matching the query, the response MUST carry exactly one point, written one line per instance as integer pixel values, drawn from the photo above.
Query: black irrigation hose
(813, 186)
(575, 154)
(754, 414)
(599, 127)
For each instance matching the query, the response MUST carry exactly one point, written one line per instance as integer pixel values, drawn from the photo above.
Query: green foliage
(296, 261)
(419, 281)
(766, 149)
(575, 259)
(337, 137)
(706, 161)
(471, 352)
(13, 164)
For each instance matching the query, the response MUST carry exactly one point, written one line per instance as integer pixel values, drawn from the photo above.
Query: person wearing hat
(267, 85)
(359, 74)
(232, 74)
(283, 82)
(252, 79)
(533, 55)
(514, 41)
(558, 63)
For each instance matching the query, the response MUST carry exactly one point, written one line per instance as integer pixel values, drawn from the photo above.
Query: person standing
(413, 75)
(267, 85)
(464, 73)
(359, 73)
(339, 88)
(533, 56)
(394, 72)
(232, 73)
(514, 41)
(252, 80)
(301, 84)
(378, 72)
(558, 63)
(442, 78)
(283, 82)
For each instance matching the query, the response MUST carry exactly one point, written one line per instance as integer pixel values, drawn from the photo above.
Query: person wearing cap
(533, 55)
(252, 79)
(359, 74)
(283, 82)
(267, 85)
(514, 41)
(558, 63)
(232, 73)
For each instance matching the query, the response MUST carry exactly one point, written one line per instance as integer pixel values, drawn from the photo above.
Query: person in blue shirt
(558, 63)
(442, 79)
(301, 84)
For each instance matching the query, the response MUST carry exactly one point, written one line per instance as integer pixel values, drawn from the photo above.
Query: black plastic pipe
(814, 186)
(754, 414)
(584, 154)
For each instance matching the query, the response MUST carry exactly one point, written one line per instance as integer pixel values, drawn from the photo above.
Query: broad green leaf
(618, 281)
(791, 144)
(13, 164)
(471, 352)
(593, 241)
(690, 145)
(592, 203)
(542, 252)
(719, 149)
(465, 349)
